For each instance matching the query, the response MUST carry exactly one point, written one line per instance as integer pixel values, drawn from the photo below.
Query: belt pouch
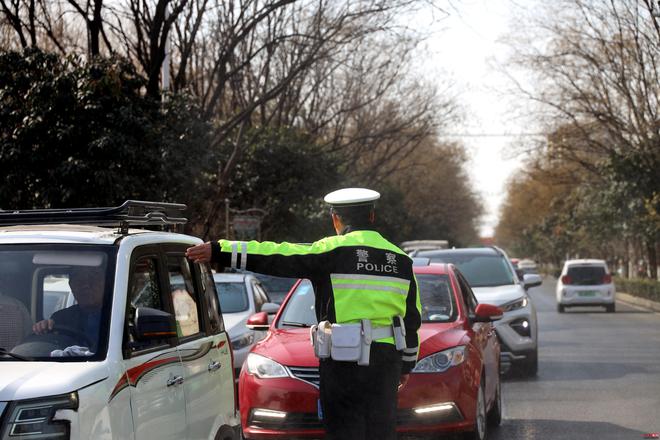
(321, 339)
(399, 333)
(366, 343)
(346, 342)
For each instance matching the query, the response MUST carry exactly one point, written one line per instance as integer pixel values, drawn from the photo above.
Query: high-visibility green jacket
(358, 275)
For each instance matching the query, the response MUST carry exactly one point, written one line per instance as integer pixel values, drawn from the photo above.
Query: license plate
(587, 293)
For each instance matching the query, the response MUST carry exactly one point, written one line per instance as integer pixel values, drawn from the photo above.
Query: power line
(493, 134)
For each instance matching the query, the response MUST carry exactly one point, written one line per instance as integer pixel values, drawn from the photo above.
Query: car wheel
(610, 308)
(480, 424)
(560, 308)
(495, 413)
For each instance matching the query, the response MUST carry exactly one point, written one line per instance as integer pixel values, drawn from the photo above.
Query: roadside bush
(649, 289)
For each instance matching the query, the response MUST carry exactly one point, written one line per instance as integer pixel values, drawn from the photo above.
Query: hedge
(644, 288)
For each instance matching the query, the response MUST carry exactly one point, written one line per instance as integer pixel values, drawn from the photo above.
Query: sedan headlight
(264, 368)
(441, 361)
(515, 305)
(34, 418)
(242, 341)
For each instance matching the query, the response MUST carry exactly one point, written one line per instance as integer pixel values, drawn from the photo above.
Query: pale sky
(465, 45)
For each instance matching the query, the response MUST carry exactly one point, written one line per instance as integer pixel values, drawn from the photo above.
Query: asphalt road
(599, 376)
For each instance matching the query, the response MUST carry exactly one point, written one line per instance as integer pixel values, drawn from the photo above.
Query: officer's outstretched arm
(412, 321)
(278, 259)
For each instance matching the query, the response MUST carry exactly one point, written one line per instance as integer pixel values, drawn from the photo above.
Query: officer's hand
(403, 380)
(200, 253)
(43, 327)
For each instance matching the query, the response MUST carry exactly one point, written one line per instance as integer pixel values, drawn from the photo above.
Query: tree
(83, 134)
(599, 83)
(436, 200)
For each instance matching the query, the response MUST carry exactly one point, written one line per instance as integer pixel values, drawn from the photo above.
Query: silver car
(241, 295)
(494, 281)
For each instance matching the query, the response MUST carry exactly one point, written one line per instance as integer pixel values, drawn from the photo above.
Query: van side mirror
(258, 321)
(152, 324)
(487, 313)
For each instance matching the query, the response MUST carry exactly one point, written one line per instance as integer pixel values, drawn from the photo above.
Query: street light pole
(226, 218)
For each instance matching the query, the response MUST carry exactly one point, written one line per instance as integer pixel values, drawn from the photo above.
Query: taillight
(566, 279)
(607, 279)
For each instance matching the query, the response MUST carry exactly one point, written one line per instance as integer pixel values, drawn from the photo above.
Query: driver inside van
(82, 320)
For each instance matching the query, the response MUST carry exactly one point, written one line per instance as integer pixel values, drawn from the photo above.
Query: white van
(96, 342)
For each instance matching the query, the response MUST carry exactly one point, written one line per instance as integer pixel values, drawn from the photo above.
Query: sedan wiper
(296, 324)
(4, 352)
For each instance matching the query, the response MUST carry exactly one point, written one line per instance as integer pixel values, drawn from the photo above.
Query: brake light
(566, 279)
(607, 279)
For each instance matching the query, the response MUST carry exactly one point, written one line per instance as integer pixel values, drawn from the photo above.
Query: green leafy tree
(78, 133)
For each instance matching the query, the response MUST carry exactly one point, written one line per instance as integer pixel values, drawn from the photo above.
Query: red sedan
(455, 385)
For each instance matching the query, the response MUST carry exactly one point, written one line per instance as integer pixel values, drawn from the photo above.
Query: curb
(643, 302)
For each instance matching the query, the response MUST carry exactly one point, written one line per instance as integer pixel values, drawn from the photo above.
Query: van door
(153, 370)
(208, 382)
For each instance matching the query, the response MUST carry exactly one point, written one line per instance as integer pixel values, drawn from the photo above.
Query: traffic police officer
(357, 275)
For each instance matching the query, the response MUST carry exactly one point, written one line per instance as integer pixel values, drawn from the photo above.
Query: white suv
(585, 283)
(493, 280)
(139, 353)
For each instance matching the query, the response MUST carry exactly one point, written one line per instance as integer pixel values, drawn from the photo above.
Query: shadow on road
(516, 429)
(561, 429)
(566, 370)
(602, 312)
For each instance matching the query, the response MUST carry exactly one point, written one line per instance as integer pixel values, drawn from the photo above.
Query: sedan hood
(437, 337)
(499, 295)
(28, 380)
(292, 347)
(288, 347)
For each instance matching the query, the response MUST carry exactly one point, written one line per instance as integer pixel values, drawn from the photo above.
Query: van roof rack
(131, 213)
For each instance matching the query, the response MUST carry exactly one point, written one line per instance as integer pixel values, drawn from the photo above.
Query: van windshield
(54, 301)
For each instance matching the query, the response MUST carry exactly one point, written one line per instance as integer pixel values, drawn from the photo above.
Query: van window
(57, 294)
(184, 297)
(69, 284)
(144, 291)
(214, 309)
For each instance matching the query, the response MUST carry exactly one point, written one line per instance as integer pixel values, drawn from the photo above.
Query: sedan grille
(306, 374)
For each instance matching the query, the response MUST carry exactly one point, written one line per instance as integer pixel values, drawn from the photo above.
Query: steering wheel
(72, 333)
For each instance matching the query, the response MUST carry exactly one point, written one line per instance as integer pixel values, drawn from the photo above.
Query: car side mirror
(270, 308)
(532, 280)
(258, 321)
(487, 313)
(152, 324)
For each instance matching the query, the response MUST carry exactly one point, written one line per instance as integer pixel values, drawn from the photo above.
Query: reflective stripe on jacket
(358, 275)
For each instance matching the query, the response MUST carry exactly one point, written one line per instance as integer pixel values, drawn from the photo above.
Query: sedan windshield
(54, 301)
(300, 307)
(233, 297)
(438, 303)
(480, 270)
(435, 294)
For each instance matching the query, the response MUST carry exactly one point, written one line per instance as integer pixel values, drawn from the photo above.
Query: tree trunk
(651, 252)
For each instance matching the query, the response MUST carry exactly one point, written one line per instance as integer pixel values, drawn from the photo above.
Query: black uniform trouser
(359, 403)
